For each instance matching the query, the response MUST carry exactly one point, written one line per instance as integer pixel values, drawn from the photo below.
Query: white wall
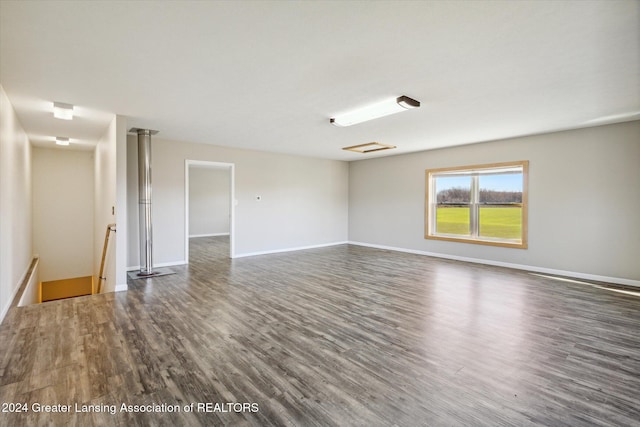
(122, 235)
(304, 200)
(584, 200)
(209, 207)
(15, 204)
(63, 212)
(110, 204)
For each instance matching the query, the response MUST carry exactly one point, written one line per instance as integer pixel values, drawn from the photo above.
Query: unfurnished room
(320, 213)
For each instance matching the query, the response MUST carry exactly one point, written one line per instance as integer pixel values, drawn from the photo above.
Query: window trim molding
(429, 211)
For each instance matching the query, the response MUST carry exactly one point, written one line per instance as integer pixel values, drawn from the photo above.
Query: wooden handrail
(110, 228)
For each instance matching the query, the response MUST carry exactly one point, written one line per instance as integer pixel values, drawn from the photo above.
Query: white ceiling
(269, 75)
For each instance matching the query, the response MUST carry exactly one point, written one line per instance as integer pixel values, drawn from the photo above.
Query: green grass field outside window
(495, 222)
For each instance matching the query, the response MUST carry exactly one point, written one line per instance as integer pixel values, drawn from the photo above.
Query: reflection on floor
(343, 335)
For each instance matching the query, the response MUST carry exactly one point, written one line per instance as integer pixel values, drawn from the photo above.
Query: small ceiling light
(62, 141)
(369, 147)
(62, 111)
(374, 111)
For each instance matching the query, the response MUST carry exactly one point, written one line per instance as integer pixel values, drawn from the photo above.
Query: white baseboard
(160, 264)
(299, 248)
(208, 235)
(122, 287)
(594, 277)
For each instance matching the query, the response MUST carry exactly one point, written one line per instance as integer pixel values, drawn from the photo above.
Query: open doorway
(209, 202)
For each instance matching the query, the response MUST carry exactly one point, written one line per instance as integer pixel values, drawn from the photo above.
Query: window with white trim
(484, 204)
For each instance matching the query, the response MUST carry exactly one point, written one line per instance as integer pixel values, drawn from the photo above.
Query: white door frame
(231, 167)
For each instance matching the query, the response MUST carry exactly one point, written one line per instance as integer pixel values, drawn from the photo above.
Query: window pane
(500, 211)
(453, 190)
(501, 222)
(452, 220)
(453, 195)
(503, 188)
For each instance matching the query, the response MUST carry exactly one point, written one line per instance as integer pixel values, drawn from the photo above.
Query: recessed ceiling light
(62, 111)
(369, 147)
(62, 141)
(374, 111)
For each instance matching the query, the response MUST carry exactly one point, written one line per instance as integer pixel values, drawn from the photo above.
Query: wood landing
(66, 288)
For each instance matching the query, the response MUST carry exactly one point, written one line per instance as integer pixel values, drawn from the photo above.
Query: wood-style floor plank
(338, 336)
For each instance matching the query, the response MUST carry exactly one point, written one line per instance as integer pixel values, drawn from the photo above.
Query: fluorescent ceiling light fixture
(369, 147)
(374, 111)
(62, 111)
(62, 141)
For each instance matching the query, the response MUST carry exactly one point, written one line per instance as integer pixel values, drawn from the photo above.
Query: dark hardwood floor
(339, 336)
